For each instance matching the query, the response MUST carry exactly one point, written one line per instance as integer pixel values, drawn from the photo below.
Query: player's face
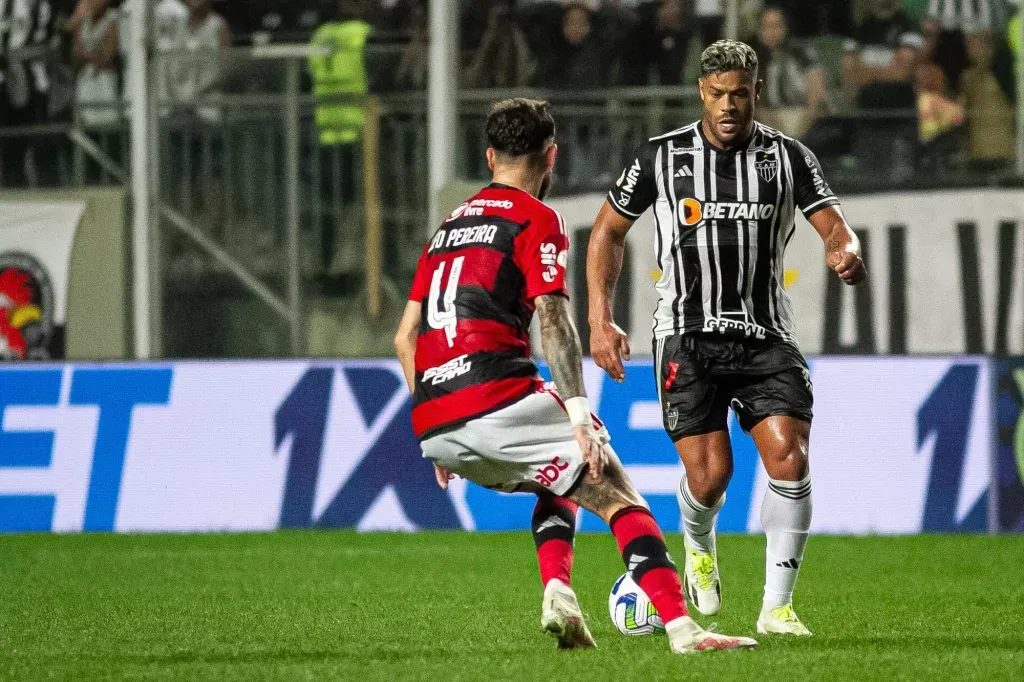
(729, 100)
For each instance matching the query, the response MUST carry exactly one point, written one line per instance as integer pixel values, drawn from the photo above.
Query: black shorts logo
(672, 417)
(26, 308)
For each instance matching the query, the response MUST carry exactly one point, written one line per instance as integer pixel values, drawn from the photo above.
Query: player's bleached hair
(520, 127)
(728, 55)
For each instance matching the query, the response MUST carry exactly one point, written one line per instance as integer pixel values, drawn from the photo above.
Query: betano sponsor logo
(692, 211)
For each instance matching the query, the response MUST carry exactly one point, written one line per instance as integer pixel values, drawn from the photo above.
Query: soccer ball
(631, 610)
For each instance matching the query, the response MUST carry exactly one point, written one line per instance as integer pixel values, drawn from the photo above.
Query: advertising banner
(1009, 419)
(945, 275)
(898, 446)
(35, 255)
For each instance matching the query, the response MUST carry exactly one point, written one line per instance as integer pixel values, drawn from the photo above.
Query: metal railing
(229, 191)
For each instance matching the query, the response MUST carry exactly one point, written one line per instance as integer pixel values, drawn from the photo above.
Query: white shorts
(530, 441)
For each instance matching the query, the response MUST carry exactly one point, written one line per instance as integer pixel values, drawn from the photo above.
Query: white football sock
(698, 520)
(786, 517)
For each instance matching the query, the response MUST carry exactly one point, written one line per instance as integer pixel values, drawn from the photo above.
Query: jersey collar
(708, 144)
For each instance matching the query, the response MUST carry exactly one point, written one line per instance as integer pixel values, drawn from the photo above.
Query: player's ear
(550, 156)
(757, 89)
(490, 158)
(700, 88)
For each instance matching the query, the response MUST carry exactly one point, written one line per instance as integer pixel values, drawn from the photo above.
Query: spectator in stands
(969, 16)
(412, 71)
(168, 21)
(339, 74)
(879, 66)
(93, 27)
(660, 44)
(793, 95)
(989, 104)
(710, 19)
(577, 59)
(502, 60)
(937, 81)
(200, 68)
(944, 59)
(25, 33)
(617, 21)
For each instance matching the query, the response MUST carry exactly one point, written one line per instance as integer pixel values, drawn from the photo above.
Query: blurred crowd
(927, 80)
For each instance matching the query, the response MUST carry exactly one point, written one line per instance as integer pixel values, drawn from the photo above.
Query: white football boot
(781, 621)
(561, 616)
(686, 637)
(700, 579)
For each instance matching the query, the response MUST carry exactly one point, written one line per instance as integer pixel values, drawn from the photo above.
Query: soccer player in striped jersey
(480, 409)
(724, 192)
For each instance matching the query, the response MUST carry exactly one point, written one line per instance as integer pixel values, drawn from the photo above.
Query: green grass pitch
(459, 606)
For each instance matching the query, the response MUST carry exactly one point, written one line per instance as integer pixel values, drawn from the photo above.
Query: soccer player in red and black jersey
(480, 409)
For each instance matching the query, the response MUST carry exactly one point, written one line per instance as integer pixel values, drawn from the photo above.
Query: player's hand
(592, 449)
(609, 346)
(848, 266)
(443, 476)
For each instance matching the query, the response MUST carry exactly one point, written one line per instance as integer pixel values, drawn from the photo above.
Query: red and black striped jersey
(476, 281)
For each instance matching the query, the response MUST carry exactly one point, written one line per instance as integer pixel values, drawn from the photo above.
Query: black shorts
(700, 377)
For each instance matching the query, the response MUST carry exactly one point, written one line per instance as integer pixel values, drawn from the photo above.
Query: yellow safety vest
(342, 72)
(1013, 33)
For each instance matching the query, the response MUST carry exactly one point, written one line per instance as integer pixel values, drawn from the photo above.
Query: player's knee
(787, 461)
(708, 483)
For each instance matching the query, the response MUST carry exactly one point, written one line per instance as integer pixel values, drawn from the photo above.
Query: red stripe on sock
(555, 560)
(554, 557)
(662, 585)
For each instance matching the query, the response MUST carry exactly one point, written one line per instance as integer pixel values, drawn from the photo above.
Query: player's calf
(554, 529)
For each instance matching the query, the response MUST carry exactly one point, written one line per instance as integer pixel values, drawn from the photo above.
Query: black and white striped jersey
(724, 220)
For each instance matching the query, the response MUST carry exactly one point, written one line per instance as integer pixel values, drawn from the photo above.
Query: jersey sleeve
(542, 253)
(420, 285)
(636, 189)
(810, 190)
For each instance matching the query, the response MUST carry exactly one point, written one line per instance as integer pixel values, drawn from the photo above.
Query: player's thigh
(778, 384)
(528, 442)
(693, 400)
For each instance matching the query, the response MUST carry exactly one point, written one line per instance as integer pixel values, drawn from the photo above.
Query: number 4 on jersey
(441, 314)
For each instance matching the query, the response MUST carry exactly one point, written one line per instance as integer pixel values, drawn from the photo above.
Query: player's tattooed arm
(561, 345)
(842, 248)
(405, 342)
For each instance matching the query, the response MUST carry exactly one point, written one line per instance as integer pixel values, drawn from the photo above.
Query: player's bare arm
(609, 345)
(842, 248)
(405, 341)
(562, 349)
(405, 348)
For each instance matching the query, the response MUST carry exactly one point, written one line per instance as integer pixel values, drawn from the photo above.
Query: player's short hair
(728, 55)
(520, 127)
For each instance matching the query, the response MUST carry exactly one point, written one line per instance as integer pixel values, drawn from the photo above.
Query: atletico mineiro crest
(767, 166)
